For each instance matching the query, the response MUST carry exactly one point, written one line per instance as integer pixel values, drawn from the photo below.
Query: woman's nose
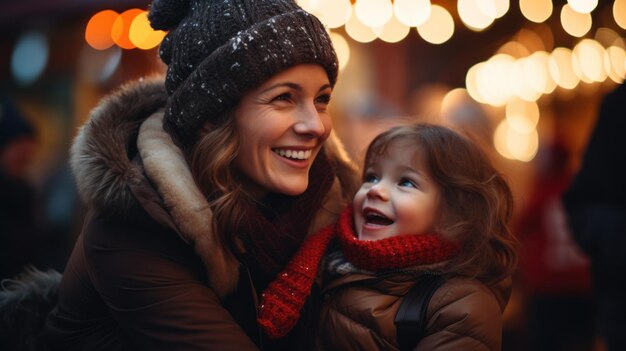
(312, 122)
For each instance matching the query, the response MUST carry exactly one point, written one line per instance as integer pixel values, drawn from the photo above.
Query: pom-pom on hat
(216, 50)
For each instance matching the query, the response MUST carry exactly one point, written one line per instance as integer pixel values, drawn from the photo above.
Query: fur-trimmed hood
(108, 174)
(100, 155)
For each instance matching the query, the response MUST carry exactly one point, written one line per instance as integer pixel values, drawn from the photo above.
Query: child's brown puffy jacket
(463, 314)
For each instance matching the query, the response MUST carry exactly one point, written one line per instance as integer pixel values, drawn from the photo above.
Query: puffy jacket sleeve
(463, 315)
(155, 288)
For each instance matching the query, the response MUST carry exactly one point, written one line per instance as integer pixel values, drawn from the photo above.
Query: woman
(201, 191)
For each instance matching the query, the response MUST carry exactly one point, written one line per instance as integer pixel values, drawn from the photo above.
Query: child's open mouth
(374, 217)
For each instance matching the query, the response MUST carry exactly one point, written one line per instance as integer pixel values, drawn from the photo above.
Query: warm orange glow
(561, 66)
(121, 28)
(342, 48)
(393, 31)
(615, 63)
(514, 49)
(358, 31)
(373, 13)
(439, 27)
(583, 6)
(473, 16)
(514, 145)
(575, 23)
(522, 115)
(142, 35)
(333, 13)
(471, 82)
(98, 31)
(619, 13)
(536, 10)
(590, 55)
(412, 12)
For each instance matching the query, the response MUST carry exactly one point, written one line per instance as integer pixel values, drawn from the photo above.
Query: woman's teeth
(294, 154)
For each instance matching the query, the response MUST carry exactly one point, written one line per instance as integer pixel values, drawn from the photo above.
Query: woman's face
(282, 125)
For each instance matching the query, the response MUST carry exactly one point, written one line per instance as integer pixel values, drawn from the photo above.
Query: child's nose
(378, 191)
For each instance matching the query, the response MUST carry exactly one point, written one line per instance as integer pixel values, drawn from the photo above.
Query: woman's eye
(283, 97)
(371, 178)
(323, 99)
(408, 183)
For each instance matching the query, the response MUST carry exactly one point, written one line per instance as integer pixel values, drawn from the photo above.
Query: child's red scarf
(284, 297)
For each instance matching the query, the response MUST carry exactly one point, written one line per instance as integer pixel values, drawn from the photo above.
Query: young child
(430, 203)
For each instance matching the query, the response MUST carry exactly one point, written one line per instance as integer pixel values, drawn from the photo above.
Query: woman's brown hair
(476, 200)
(211, 158)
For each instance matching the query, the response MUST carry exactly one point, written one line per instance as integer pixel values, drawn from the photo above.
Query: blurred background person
(596, 208)
(20, 219)
(554, 273)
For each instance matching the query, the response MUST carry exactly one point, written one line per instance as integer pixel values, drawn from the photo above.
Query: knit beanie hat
(216, 50)
(12, 123)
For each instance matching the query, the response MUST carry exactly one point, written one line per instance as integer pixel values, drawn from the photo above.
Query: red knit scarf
(283, 299)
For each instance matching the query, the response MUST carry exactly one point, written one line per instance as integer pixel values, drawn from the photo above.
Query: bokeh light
(473, 16)
(590, 55)
(439, 27)
(606, 36)
(494, 8)
(575, 23)
(412, 12)
(561, 68)
(393, 31)
(522, 79)
(541, 80)
(374, 13)
(495, 90)
(530, 39)
(358, 31)
(536, 10)
(471, 83)
(512, 144)
(333, 13)
(583, 6)
(452, 99)
(514, 49)
(522, 115)
(121, 28)
(308, 5)
(98, 30)
(342, 48)
(619, 13)
(29, 58)
(615, 63)
(142, 35)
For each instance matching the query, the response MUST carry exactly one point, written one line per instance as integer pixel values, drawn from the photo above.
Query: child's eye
(371, 178)
(407, 182)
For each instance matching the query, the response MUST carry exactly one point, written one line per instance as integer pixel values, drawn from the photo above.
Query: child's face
(397, 196)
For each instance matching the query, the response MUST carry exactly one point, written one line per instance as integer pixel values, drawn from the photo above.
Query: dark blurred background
(524, 78)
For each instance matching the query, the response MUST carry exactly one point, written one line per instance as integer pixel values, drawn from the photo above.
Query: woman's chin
(293, 188)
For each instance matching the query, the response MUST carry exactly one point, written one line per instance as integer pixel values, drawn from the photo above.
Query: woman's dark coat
(147, 272)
